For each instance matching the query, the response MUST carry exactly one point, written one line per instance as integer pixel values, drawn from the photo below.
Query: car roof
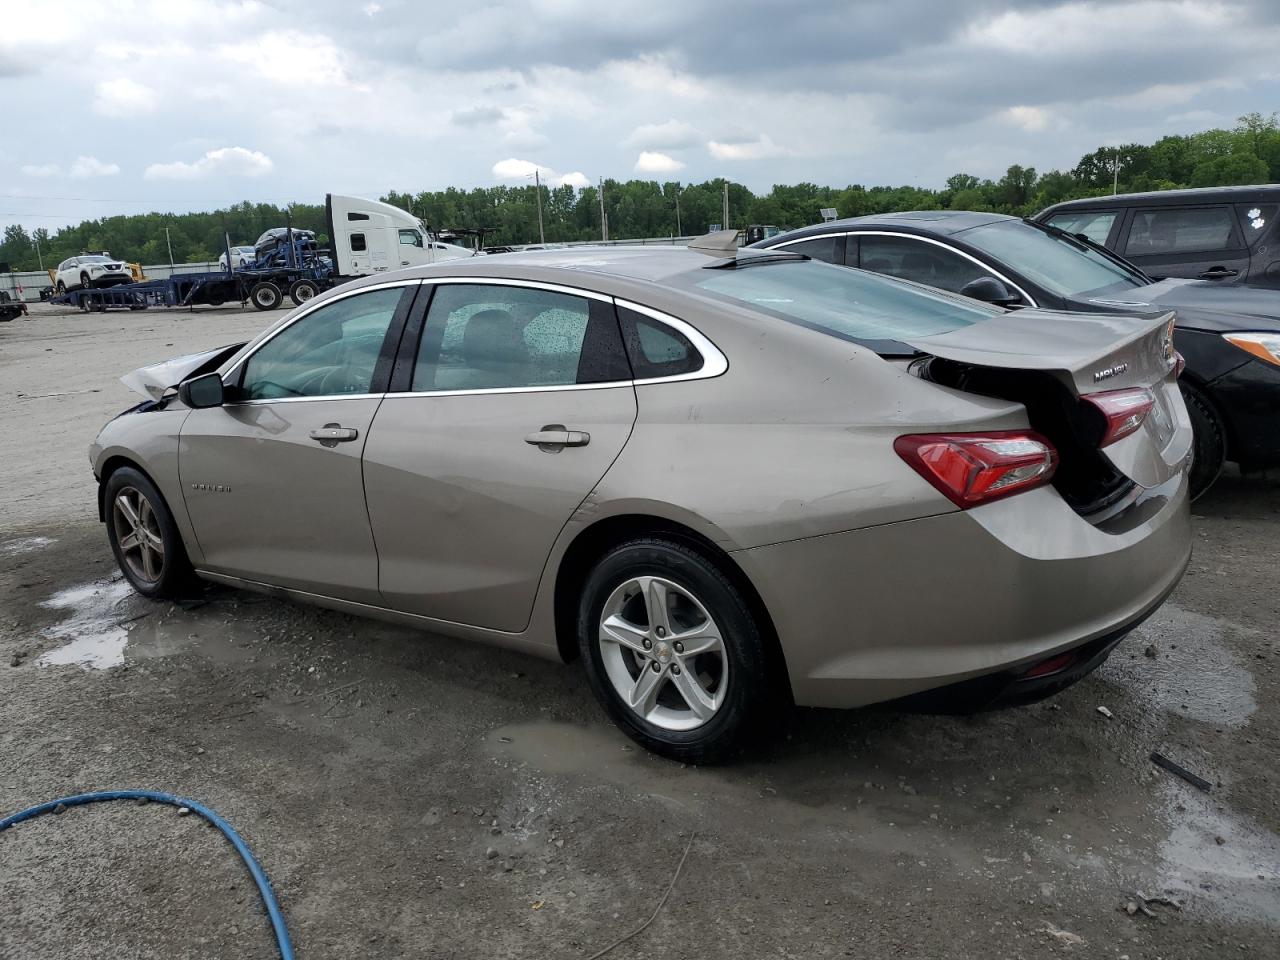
(653, 263)
(912, 221)
(1161, 198)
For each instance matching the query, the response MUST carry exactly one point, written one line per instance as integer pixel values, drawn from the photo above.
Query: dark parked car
(1228, 334)
(1214, 233)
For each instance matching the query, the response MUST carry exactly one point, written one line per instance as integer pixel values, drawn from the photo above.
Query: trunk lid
(1050, 360)
(154, 380)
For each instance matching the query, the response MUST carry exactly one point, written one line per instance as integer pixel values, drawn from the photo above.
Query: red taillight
(1179, 364)
(1124, 411)
(974, 468)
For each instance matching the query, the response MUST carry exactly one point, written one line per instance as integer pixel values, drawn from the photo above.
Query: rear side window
(1094, 224)
(1255, 218)
(1180, 230)
(918, 261)
(656, 349)
(826, 249)
(492, 337)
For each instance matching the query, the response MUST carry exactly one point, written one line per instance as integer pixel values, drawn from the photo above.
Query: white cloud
(577, 180)
(1031, 119)
(670, 135)
(123, 97)
(85, 167)
(41, 169)
(226, 161)
(290, 57)
(514, 169)
(652, 162)
(369, 9)
(757, 149)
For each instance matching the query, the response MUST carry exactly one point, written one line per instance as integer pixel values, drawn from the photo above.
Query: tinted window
(826, 249)
(1179, 230)
(851, 304)
(357, 242)
(410, 238)
(331, 351)
(916, 260)
(656, 349)
(1058, 263)
(486, 337)
(1094, 224)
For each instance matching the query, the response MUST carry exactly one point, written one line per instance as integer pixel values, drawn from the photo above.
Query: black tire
(747, 696)
(86, 305)
(265, 295)
(1208, 441)
(84, 281)
(173, 576)
(300, 291)
(61, 289)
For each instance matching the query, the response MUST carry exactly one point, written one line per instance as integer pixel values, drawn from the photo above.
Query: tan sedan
(719, 482)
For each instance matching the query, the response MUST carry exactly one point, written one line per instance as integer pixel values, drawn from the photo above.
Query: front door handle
(556, 435)
(1218, 273)
(332, 434)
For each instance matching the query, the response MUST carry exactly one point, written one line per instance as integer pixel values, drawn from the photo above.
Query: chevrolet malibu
(720, 482)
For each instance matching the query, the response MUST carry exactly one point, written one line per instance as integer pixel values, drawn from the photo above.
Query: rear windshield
(851, 304)
(1061, 265)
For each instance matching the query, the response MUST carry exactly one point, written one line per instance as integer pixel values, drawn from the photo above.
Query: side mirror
(990, 290)
(201, 392)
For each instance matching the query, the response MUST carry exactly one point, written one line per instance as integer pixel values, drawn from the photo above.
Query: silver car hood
(154, 380)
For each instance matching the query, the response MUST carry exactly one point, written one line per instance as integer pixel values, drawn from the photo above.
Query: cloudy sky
(115, 106)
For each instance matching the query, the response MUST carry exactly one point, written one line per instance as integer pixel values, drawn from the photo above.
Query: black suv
(1213, 233)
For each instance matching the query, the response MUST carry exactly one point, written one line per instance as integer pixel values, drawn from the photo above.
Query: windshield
(1061, 265)
(96, 260)
(850, 304)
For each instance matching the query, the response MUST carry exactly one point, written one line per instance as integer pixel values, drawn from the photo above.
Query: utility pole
(39, 255)
(679, 232)
(537, 185)
(724, 223)
(1115, 174)
(168, 244)
(604, 217)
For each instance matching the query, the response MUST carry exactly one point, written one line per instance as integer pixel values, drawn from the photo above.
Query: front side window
(410, 238)
(1094, 224)
(331, 351)
(849, 304)
(918, 261)
(1179, 230)
(494, 337)
(357, 242)
(1060, 264)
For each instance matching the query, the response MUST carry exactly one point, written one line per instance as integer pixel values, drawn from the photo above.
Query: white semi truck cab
(369, 236)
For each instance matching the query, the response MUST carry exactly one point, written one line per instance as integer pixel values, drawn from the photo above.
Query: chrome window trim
(1031, 301)
(306, 311)
(714, 363)
(534, 284)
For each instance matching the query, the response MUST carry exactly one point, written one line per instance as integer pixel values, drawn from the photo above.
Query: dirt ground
(415, 796)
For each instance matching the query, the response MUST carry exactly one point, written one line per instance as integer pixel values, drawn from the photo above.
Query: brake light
(974, 468)
(1124, 410)
(1179, 364)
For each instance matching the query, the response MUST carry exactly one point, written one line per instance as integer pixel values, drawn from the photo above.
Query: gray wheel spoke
(703, 638)
(619, 631)
(130, 542)
(148, 562)
(644, 692)
(655, 603)
(127, 510)
(699, 701)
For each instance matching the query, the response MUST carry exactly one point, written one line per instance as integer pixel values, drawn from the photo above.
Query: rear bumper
(882, 613)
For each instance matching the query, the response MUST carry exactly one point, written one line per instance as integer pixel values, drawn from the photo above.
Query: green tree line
(1248, 153)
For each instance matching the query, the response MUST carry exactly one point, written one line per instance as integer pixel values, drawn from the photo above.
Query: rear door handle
(332, 434)
(557, 435)
(1218, 273)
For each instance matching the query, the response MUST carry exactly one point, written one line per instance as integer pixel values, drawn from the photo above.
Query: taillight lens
(1179, 364)
(974, 468)
(1124, 410)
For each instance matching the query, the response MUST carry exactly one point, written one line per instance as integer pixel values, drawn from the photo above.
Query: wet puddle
(95, 636)
(1194, 674)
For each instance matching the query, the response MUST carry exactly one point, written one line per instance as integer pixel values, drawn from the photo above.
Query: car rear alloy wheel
(143, 535)
(663, 653)
(673, 650)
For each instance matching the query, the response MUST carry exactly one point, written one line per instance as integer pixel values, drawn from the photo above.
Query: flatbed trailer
(265, 289)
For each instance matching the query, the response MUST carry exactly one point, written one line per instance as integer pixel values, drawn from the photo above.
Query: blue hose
(260, 878)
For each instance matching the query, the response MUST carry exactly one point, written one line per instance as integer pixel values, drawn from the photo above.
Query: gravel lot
(414, 796)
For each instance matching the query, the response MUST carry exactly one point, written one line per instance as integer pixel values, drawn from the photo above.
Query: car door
(272, 479)
(517, 401)
(1198, 242)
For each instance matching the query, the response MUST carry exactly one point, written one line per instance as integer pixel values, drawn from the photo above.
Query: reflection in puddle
(95, 639)
(1194, 674)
